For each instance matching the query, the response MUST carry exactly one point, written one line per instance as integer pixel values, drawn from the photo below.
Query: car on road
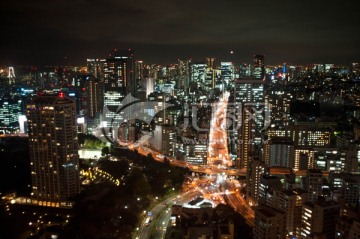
(147, 222)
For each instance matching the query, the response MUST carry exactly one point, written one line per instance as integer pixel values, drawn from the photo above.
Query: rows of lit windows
(9, 112)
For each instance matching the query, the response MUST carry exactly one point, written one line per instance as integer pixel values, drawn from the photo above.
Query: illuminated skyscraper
(119, 76)
(279, 101)
(184, 74)
(95, 67)
(163, 136)
(227, 74)
(53, 147)
(249, 98)
(210, 62)
(197, 74)
(210, 79)
(258, 70)
(139, 69)
(94, 96)
(244, 70)
(255, 169)
(10, 110)
(88, 93)
(140, 85)
(195, 154)
(119, 80)
(249, 90)
(149, 86)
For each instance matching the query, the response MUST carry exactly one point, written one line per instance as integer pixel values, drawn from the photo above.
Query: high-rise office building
(279, 101)
(53, 147)
(119, 76)
(95, 67)
(94, 96)
(249, 90)
(149, 85)
(89, 95)
(196, 154)
(184, 74)
(139, 69)
(244, 70)
(209, 84)
(164, 135)
(197, 75)
(255, 169)
(279, 151)
(119, 80)
(10, 110)
(258, 69)
(210, 62)
(139, 80)
(227, 74)
(249, 98)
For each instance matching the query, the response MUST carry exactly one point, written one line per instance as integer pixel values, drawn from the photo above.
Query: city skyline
(273, 145)
(180, 119)
(160, 32)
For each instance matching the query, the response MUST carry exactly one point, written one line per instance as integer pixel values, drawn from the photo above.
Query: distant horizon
(226, 58)
(296, 32)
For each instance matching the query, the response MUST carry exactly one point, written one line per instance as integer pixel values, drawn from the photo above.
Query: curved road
(160, 215)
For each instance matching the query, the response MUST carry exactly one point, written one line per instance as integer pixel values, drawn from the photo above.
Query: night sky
(44, 32)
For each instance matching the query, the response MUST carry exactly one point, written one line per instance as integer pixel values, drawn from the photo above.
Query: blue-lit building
(10, 110)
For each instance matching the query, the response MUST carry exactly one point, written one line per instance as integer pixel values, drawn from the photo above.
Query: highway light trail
(218, 149)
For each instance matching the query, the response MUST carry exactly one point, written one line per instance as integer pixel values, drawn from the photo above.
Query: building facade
(53, 147)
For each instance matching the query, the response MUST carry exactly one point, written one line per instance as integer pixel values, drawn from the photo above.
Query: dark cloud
(44, 32)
